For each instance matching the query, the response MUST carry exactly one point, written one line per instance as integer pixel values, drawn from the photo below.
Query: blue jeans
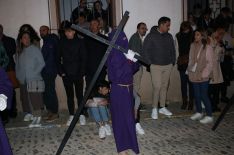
(201, 94)
(100, 113)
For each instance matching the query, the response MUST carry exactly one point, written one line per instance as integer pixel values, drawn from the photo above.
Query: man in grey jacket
(159, 49)
(136, 44)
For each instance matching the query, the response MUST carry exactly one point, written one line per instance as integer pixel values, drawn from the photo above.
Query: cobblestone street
(177, 135)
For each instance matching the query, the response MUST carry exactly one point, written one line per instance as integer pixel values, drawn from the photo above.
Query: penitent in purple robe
(120, 74)
(6, 89)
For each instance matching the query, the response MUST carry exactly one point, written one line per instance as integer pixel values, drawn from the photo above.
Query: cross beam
(107, 42)
(90, 87)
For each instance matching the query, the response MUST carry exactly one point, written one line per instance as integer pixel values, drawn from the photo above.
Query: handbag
(37, 86)
(12, 77)
(96, 101)
(183, 60)
(100, 101)
(192, 68)
(91, 103)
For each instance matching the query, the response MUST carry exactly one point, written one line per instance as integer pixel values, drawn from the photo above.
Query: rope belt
(125, 85)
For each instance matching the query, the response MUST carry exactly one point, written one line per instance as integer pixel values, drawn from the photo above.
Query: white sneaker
(28, 117)
(69, 120)
(154, 113)
(107, 129)
(82, 120)
(35, 123)
(206, 119)
(139, 129)
(196, 116)
(38, 122)
(165, 111)
(102, 132)
(31, 125)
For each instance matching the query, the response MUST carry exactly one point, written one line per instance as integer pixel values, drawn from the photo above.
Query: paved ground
(166, 136)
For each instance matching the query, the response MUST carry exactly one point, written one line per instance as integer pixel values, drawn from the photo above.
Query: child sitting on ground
(97, 107)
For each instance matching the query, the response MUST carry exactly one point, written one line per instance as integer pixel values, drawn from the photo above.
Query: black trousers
(69, 83)
(137, 120)
(184, 86)
(223, 89)
(12, 112)
(13, 109)
(50, 97)
(214, 91)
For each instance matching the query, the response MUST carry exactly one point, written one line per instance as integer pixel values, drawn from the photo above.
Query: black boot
(13, 111)
(224, 99)
(184, 104)
(4, 116)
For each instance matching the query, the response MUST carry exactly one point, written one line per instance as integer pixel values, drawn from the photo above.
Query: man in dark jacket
(205, 21)
(72, 61)
(81, 9)
(159, 49)
(95, 53)
(224, 18)
(50, 51)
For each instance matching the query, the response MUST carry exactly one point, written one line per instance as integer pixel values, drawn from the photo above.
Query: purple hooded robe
(6, 89)
(120, 74)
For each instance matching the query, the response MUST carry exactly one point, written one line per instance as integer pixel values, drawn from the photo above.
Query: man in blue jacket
(49, 51)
